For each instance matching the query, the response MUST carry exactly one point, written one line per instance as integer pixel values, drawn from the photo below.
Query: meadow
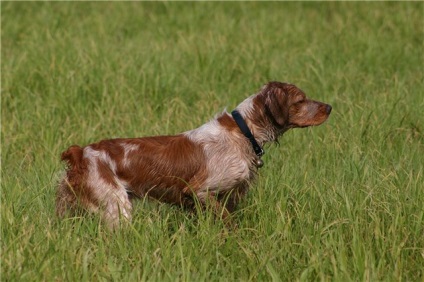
(338, 202)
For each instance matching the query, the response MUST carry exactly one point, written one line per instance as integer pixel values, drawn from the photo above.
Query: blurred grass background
(342, 201)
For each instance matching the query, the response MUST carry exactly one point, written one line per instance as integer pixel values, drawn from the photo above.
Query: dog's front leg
(219, 210)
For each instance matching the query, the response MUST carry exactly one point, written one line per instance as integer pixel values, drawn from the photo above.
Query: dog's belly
(165, 188)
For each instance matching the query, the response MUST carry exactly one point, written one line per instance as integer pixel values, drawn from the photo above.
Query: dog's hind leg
(116, 207)
(110, 201)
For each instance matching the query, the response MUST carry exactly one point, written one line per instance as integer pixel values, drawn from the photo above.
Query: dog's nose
(328, 109)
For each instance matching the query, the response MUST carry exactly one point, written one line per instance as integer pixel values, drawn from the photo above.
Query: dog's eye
(298, 103)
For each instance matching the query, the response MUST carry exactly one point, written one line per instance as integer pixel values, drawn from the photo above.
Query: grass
(342, 202)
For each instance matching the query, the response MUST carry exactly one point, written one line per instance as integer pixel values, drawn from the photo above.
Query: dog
(212, 165)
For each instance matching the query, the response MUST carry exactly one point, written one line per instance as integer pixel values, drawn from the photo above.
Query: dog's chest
(228, 160)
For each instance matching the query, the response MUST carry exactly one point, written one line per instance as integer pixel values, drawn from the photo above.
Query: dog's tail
(73, 157)
(70, 185)
(76, 165)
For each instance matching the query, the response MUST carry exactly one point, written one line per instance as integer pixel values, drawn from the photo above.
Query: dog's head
(286, 106)
(279, 107)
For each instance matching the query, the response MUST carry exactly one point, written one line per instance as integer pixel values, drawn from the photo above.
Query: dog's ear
(276, 103)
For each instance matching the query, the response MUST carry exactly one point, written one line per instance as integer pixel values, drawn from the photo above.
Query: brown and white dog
(212, 165)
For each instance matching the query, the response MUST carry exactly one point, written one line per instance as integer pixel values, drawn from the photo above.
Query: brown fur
(214, 163)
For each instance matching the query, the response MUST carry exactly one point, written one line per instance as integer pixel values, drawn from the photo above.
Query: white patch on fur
(205, 132)
(227, 161)
(128, 149)
(114, 198)
(245, 108)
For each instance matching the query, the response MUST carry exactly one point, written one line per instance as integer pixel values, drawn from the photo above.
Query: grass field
(341, 202)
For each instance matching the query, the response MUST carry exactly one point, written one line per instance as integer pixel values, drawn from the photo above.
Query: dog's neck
(259, 151)
(257, 121)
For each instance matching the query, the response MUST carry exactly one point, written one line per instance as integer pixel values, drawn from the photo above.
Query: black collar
(246, 131)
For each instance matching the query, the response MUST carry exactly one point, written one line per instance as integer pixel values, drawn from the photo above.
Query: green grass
(343, 201)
